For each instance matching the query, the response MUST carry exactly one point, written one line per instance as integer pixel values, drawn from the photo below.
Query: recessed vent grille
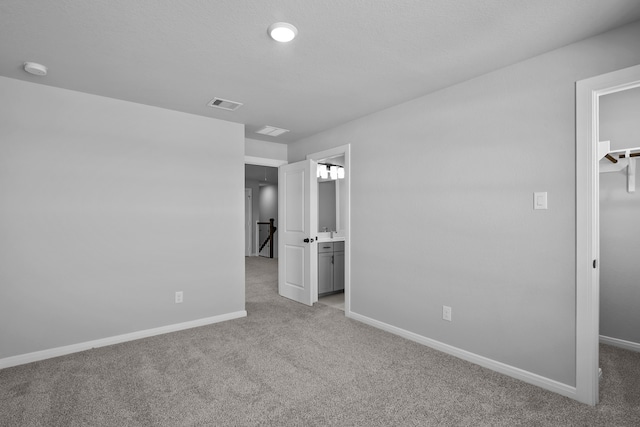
(224, 104)
(272, 131)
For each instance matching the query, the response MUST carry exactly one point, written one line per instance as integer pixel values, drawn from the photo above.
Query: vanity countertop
(329, 239)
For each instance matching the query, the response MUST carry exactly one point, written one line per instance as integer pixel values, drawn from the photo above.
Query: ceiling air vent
(224, 104)
(272, 131)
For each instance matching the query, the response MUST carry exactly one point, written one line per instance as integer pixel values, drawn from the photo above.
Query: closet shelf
(626, 159)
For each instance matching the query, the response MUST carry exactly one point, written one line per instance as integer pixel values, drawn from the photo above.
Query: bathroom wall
(620, 223)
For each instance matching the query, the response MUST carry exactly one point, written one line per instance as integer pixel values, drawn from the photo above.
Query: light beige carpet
(291, 365)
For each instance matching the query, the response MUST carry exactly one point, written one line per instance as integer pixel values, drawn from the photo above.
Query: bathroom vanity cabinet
(330, 267)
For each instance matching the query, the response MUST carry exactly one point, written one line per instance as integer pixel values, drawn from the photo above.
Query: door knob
(307, 240)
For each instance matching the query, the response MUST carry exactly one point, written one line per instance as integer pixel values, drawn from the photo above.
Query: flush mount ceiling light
(35, 69)
(282, 32)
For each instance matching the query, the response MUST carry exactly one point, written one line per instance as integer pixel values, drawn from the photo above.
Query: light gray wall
(453, 224)
(619, 223)
(265, 149)
(269, 209)
(327, 205)
(255, 211)
(106, 209)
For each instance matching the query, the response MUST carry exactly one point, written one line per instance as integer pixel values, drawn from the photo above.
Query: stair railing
(269, 239)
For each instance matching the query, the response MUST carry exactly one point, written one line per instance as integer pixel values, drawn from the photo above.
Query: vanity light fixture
(327, 170)
(333, 172)
(323, 171)
(282, 32)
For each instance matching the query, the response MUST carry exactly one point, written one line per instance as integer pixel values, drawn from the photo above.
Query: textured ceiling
(351, 57)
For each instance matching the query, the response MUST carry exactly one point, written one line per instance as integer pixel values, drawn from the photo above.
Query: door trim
(588, 94)
(334, 152)
(263, 161)
(248, 222)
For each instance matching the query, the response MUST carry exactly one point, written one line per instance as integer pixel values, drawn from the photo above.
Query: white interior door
(297, 226)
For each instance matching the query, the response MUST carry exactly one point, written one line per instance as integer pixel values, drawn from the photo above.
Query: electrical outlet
(178, 297)
(446, 313)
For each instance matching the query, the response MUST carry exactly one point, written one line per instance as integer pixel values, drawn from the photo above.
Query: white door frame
(588, 93)
(248, 218)
(263, 161)
(335, 152)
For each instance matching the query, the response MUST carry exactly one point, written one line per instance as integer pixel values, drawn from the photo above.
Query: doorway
(618, 218)
(340, 155)
(261, 178)
(344, 151)
(589, 150)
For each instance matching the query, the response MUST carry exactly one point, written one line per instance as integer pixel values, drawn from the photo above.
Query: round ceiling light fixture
(282, 32)
(35, 69)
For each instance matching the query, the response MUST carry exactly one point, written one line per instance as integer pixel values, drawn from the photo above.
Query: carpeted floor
(291, 365)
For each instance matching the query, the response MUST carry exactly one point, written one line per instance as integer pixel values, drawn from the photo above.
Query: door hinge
(594, 263)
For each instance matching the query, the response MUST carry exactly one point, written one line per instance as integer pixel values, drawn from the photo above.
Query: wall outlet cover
(446, 313)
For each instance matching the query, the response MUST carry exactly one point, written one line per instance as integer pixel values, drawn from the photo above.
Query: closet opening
(602, 140)
(619, 210)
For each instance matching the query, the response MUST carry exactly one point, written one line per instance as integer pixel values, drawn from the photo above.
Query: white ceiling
(351, 57)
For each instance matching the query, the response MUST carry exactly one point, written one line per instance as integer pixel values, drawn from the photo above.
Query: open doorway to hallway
(261, 230)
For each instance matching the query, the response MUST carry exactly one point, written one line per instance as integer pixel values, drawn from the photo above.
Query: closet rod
(622, 156)
(611, 158)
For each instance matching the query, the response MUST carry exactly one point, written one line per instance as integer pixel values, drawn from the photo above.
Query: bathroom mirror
(327, 206)
(331, 206)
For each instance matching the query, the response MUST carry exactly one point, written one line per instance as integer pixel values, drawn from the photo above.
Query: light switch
(540, 200)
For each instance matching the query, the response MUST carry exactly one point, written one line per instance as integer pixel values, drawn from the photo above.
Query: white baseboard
(520, 374)
(617, 342)
(21, 359)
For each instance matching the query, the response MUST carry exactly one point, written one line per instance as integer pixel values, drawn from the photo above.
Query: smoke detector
(224, 104)
(35, 69)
